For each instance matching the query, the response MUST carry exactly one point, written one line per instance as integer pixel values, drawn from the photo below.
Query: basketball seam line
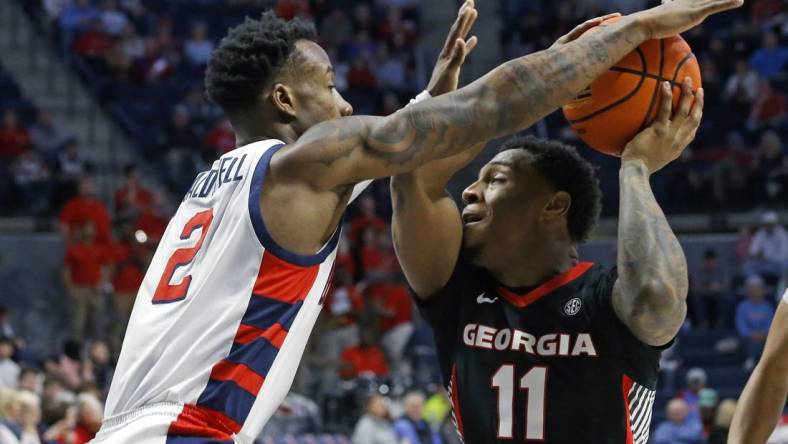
(645, 74)
(620, 101)
(656, 88)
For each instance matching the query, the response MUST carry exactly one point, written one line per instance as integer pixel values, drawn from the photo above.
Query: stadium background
(104, 126)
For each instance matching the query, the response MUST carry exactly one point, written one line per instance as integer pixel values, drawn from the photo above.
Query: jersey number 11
(534, 382)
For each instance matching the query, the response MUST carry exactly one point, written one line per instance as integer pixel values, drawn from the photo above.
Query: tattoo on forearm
(508, 99)
(648, 250)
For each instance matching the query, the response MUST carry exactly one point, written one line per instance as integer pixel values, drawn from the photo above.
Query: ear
(282, 98)
(557, 206)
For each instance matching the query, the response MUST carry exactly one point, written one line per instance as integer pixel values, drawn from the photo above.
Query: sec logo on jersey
(573, 306)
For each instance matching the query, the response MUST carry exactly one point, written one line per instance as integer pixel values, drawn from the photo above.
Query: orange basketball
(625, 99)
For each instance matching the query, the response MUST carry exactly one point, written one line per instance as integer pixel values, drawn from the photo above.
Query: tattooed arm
(650, 293)
(335, 154)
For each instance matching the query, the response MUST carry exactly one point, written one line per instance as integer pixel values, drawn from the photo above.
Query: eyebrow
(501, 163)
(330, 69)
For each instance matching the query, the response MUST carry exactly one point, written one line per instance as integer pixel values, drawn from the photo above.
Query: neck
(257, 125)
(556, 256)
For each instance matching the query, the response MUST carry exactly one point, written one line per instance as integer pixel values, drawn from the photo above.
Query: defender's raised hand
(675, 16)
(446, 74)
(666, 138)
(582, 28)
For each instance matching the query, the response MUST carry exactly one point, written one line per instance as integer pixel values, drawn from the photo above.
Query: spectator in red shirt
(131, 198)
(360, 76)
(85, 207)
(94, 42)
(80, 424)
(343, 306)
(130, 260)
(394, 310)
(367, 217)
(364, 359)
(14, 139)
(154, 219)
(290, 9)
(83, 275)
(770, 109)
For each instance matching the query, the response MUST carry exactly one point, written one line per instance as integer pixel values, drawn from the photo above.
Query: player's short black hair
(566, 170)
(249, 56)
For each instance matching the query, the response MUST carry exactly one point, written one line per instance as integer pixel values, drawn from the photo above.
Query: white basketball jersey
(223, 315)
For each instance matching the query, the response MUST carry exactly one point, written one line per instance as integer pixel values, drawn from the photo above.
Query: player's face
(315, 97)
(503, 207)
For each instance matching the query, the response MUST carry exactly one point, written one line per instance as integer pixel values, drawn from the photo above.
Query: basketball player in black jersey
(534, 344)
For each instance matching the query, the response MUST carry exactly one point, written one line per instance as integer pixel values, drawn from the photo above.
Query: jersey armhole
(256, 216)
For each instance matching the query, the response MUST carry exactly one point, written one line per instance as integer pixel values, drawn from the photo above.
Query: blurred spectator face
(376, 406)
(10, 120)
(99, 352)
(6, 349)
(413, 406)
(180, 118)
(696, 379)
(198, 31)
(87, 187)
(52, 388)
(132, 175)
(28, 380)
(725, 413)
(369, 238)
(710, 260)
(87, 233)
(367, 338)
(755, 289)
(367, 205)
(29, 409)
(770, 143)
(89, 412)
(770, 40)
(677, 411)
(44, 118)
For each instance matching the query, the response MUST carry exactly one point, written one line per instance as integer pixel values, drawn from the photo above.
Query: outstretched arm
(650, 293)
(335, 154)
(763, 397)
(426, 225)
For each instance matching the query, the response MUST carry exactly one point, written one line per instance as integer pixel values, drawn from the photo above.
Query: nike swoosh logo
(481, 299)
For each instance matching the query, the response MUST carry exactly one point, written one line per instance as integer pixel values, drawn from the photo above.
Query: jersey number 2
(535, 382)
(166, 292)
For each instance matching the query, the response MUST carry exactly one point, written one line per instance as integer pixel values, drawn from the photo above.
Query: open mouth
(470, 218)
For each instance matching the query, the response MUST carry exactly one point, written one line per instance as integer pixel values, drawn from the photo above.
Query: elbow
(658, 313)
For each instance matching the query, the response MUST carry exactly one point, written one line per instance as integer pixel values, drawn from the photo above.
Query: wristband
(422, 96)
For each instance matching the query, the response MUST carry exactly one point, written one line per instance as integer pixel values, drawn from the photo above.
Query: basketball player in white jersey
(763, 399)
(223, 315)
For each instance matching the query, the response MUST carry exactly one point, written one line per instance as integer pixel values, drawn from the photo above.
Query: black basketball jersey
(553, 365)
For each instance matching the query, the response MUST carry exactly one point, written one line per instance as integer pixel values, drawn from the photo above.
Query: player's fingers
(467, 24)
(685, 101)
(470, 44)
(454, 32)
(665, 104)
(697, 112)
(460, 51)
(588, 24)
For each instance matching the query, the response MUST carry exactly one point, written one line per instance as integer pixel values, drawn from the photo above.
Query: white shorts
(148, 425)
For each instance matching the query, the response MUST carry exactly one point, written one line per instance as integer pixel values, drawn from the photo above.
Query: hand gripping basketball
(666, 138)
